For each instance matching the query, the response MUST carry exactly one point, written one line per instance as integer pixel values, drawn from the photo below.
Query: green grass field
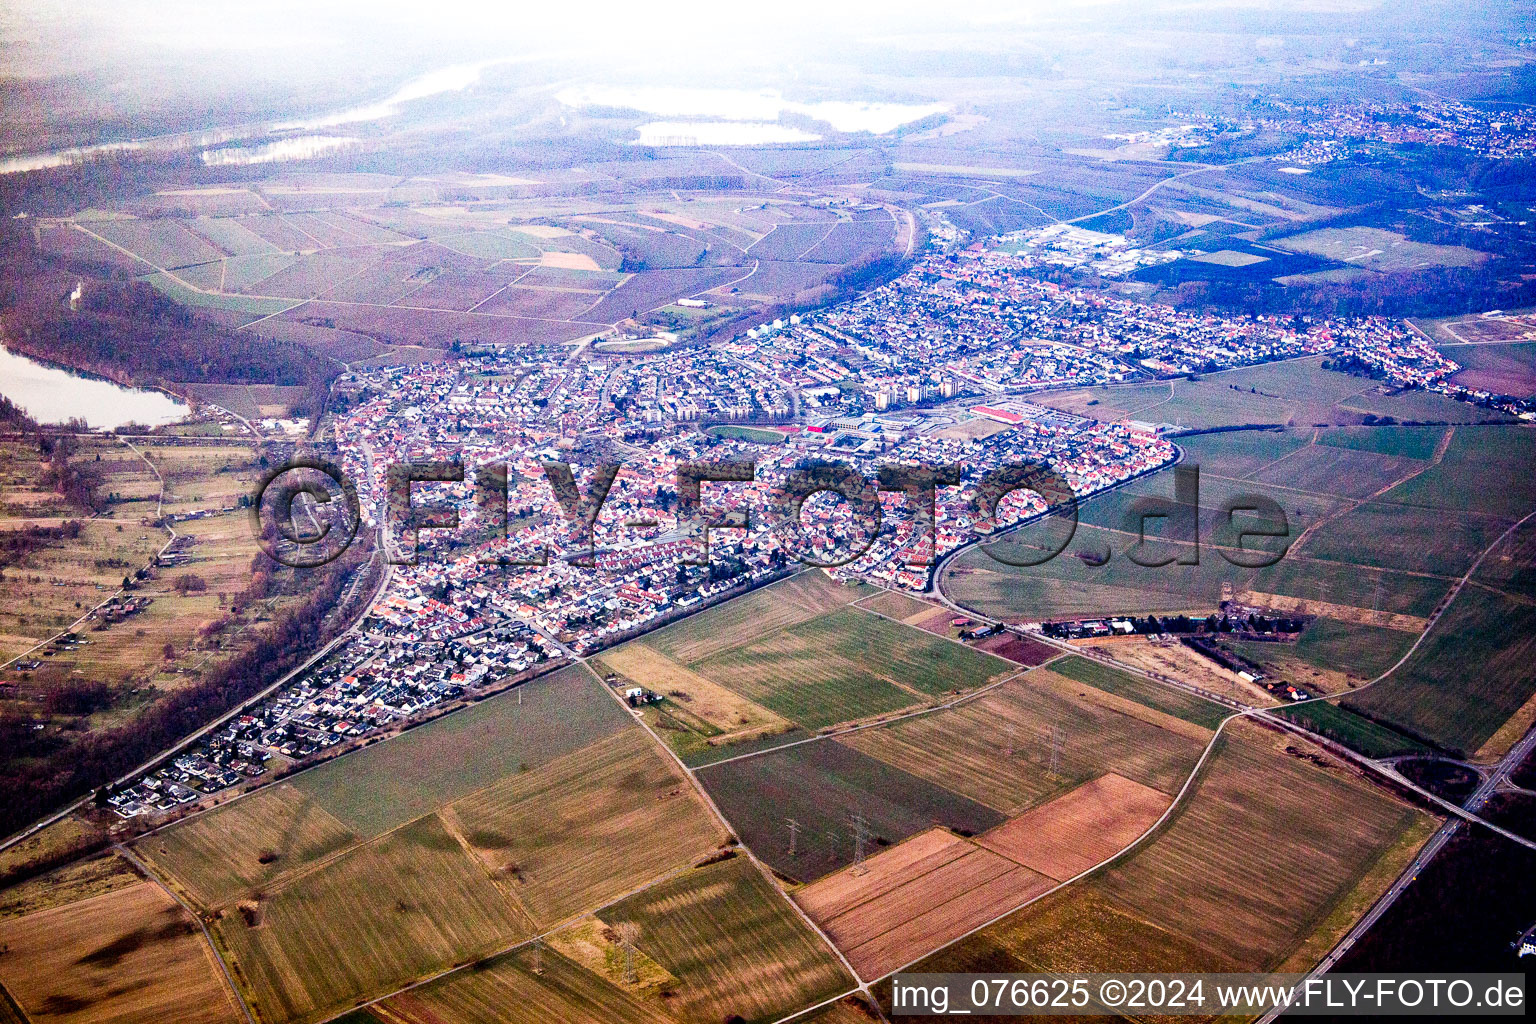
(733, 943)
(1469, 676)
(847, 665)
(401, 779)
(1370, 738)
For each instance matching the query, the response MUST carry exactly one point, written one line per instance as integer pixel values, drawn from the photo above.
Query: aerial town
(933, 369)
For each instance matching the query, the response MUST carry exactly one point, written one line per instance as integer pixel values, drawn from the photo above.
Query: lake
(53, 395)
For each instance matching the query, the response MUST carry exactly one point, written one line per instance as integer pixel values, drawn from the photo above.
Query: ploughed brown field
(128, 955)
(1074, 832)
(911, 899)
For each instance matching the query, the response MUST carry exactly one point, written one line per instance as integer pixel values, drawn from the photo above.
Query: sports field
(734, 944)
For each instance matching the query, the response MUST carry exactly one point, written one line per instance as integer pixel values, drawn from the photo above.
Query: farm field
(821, 785)
(1257, 864)
(1265, 847)
(1380, 250)
(1160, 698)
(240, 849)
(381, 260)
(389, 783)
(1429, 514)
(1370, 738)
(1079, 829)
(1331, 655)
(734, 944)
(1467, 679)
(587, 827)
(781, 604)
(506, 990)
(409, 904)
(848, 665)
(912, 897)
(130, 955)
(998, 749)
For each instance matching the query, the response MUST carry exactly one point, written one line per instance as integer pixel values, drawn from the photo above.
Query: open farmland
(416, 264)
(1255, 864)
(585, 828)
(910, 898)
(1079, 829)
(506, 990)
(998, 749)
(821, 785)
(387, 784)
(1264, 848)
(782, 604)
(734, 944)
(1380, 521)
(1468, 677)
(405, 906)
(130, 955)
(848, 665)
(235, 851)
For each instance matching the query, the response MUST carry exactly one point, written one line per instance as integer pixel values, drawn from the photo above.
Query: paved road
(1475, 803)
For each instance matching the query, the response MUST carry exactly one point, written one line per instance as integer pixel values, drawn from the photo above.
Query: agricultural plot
(821, 785)
(897, 606)
(1332, 655)
(1079, 829)
(652, 289)
(131, 955)
(694, 708)
(850, 241)
(240, 849)
(1501, 369)
(1159, 698)
(846, 666)
(1253, 866)
(1401, 442)
(789, 241)
(779, 278)
(1298, 392)
(999, 748)
(385, 785)
(1344, 726)
(587, 827)
(734, 944)
(507, 990)
(909, 899)
(231, 235)
(405, 906)
(781, 604)
(1265, 847)
(1468, 677)
(163, 244)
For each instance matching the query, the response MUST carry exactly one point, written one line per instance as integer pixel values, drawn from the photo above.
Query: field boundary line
(213, 948)
(714, 808)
